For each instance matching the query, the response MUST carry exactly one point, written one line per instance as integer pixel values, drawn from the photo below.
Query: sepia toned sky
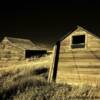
(47, 21)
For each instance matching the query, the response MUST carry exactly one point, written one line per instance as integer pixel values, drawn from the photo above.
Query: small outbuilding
(18, 48)
(76, 58)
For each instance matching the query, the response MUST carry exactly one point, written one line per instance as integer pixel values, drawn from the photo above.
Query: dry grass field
(27, 80)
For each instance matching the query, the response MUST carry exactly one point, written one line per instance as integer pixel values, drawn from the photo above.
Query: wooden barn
(76, 58)
(17, 49)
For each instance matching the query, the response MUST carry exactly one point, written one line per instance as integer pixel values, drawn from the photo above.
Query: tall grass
(28, 81)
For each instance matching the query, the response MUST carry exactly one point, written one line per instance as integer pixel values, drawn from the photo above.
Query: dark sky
(46, 22)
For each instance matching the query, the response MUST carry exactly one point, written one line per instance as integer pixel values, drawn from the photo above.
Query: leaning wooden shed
(18, 48)
(76, 58)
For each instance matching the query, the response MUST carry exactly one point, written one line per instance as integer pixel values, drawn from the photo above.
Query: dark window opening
(78, 41)
(34, 53)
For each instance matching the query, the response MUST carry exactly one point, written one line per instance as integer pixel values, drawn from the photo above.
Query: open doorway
(34, 53)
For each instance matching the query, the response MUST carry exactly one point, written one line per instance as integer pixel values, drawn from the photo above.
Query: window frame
(78, 45)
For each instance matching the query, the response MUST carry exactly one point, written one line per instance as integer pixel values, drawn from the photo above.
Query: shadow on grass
(41, 72)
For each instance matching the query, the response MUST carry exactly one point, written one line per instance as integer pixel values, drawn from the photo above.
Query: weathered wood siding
(10, 52)
(81, 65)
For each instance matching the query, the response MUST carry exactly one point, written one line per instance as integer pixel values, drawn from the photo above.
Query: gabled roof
(76, 29)
(22, 43)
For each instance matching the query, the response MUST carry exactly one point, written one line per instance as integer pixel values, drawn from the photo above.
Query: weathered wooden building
(17, 48)
(76, 58)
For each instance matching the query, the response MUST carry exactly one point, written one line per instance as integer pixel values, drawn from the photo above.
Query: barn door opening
(34, 53)
(78, 41)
